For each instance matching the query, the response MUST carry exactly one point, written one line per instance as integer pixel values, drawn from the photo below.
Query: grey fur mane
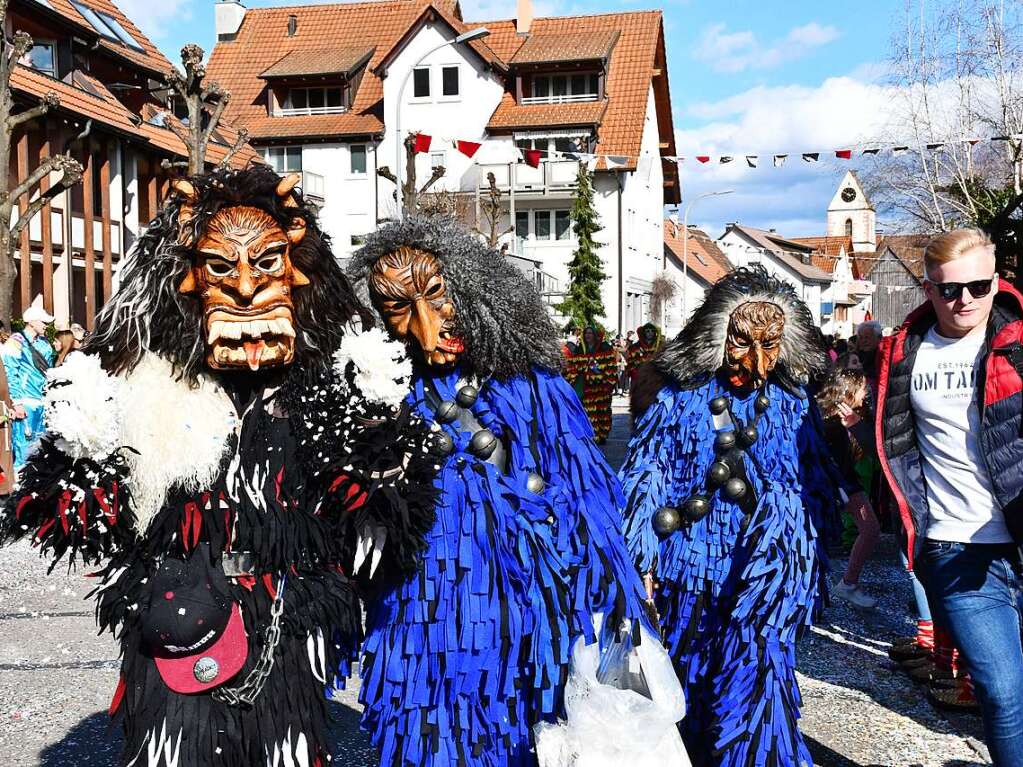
(505, 325)
(698, 351)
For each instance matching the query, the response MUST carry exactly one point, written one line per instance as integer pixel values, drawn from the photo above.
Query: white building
(332, 91)
(694, 263)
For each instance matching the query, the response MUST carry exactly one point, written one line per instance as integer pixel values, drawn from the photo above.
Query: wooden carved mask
(753, 344)
(409, 291)
(242, 270)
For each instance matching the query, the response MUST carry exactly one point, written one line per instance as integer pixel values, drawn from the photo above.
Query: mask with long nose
(753, 344)
(409, 290)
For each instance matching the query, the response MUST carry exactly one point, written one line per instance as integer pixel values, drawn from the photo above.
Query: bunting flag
(972, 141)
(811, 156)
(468, 148)
(532, 157)
(843, 154)
(751, 160)
(422, 143)
(897, 150)
(725, 159)
(616, 161)
(779, 160)
(935, 147)
(872, 151)
(704, 158)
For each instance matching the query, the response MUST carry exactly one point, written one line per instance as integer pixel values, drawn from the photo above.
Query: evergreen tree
(583, 305)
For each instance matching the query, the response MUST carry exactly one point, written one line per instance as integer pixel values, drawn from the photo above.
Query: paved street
(56, 678)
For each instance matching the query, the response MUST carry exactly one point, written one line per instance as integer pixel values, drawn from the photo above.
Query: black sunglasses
(953, 291)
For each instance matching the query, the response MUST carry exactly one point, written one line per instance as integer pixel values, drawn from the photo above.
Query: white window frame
(352, 173)
(284, 110)
(569, 97)
(438, 159)
(287, 149)
(454, 96)
(530, 236)
(429, 84)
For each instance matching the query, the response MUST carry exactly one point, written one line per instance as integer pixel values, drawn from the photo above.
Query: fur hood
(505, 325)
(698, 351)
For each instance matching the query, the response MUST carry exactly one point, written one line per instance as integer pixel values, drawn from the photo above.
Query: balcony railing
(550, 177)
(308, 111)
(575, 98)
(313, 185)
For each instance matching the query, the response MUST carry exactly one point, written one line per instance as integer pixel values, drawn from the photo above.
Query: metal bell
(735, 488)
(749, 434)
(718, 405)
(725, 440)
(467, 396)
(666, 521)
(696, 508)
(718, 473)
(535, 483)
(443, 444)
(761, 403)
(447, 412)
(483, 444)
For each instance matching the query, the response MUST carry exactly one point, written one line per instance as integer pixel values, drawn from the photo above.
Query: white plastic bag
(622, 705)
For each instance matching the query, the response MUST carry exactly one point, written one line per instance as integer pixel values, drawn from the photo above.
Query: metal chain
(247, 692)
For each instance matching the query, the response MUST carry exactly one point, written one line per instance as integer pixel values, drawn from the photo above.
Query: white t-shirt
(943, 396)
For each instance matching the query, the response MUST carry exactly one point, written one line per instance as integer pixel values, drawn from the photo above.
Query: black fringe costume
(310, 469)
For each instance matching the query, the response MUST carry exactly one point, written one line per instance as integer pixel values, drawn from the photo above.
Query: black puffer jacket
(1000, 392)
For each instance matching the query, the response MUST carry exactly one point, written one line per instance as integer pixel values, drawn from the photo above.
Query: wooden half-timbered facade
(113, 117)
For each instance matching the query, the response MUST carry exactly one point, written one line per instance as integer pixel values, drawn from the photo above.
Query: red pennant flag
(703, 158)
(844, 154)
(422, 143)
(532, 157)
(468, 148)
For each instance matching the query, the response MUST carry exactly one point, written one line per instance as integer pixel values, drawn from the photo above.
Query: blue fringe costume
(462, 660)
(733, 601)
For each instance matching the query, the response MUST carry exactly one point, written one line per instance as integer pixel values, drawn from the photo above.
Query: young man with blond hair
(950, 403)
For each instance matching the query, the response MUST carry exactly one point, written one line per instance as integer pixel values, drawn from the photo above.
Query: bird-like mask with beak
(243, 273)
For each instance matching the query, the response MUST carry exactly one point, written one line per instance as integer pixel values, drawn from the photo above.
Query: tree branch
(239, 142)
(436, 176)
(50, 101)
(215, 116)
(72, 175)
(385, 172)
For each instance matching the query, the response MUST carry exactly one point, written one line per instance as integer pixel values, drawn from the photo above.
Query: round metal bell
(205, 669)
(535, 483)
(447, 412)
(761, 403)
(483, 444)
(735, 488)
(696, 508)
(718, 473)
(725, 440)
(666, 521)
(467, 396)
(749, 434)
(718, 405)
(443, 444)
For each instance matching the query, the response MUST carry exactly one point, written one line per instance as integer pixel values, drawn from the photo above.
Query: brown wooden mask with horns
(243, 272)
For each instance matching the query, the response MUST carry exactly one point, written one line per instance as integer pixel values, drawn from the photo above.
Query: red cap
(212, 666)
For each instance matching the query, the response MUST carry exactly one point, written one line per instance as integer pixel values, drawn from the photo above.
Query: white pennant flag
(779, 160)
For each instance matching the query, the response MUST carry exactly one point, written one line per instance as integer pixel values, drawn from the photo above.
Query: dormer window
(561, 88)
(318, 100)
(42, 57)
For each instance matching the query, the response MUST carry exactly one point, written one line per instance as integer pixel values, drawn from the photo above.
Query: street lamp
(465, 37)
(685, 247)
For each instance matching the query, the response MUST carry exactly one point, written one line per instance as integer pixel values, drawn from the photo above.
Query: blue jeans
(975, 592)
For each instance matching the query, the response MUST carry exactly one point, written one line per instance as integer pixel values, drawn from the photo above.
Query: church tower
(851, 214)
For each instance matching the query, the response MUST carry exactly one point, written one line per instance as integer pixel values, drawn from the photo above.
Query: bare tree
(491, 214)
(957, 76)
(663, 289)
(409, 192)
(27, 195)
(205, 103)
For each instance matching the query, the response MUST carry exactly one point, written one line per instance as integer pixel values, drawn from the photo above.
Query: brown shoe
(957, 698)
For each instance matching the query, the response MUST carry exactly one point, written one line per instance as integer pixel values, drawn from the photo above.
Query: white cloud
(729, 51)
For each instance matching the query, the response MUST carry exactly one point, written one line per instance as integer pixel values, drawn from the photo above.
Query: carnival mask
(243, 272)
(649, 336)
(411, 294)
(753, 344)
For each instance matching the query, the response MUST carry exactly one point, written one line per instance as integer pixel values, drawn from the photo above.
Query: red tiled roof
(547, 115)
(554, 46)
(149, 57)
(705, 257)
(320, 61)
(166, 139)
(826, 250)
(100, 105)
(785, 251)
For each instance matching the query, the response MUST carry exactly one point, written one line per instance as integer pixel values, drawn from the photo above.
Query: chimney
(524, 18)
(229, 15)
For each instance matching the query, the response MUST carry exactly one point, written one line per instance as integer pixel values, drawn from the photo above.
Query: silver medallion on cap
(205, 669)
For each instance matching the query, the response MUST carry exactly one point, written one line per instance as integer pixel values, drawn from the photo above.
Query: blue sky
(746, 77)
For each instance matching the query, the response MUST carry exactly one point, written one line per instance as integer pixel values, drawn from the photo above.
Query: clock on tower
(848, 194)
